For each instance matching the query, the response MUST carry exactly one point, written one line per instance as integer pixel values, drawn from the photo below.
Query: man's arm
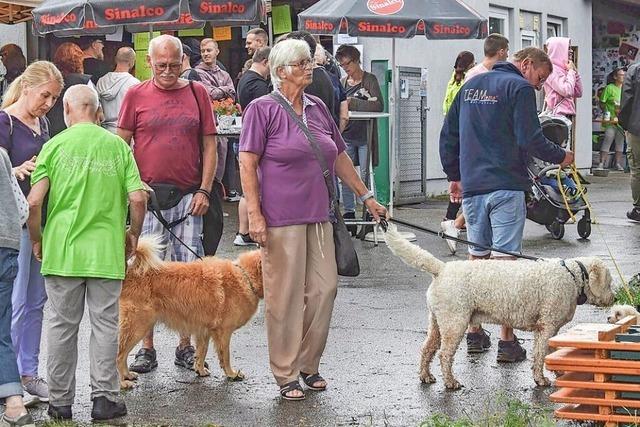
(137, 210)
(626, 100)
(450, 142)
(125, 134)
(528, 132)
(200, 202)
(36, 201)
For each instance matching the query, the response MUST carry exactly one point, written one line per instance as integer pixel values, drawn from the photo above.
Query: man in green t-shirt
(90, 175)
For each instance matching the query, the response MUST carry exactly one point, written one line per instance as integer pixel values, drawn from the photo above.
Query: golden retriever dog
(209, 299)
(619, 312)
(538, 296)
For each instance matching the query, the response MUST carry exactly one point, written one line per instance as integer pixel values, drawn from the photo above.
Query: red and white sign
(385, 7)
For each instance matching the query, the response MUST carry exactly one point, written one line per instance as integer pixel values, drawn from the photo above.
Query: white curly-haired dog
(619, 312)
(538, 296)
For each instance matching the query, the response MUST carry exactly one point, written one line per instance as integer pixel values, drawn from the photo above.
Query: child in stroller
(546, 204)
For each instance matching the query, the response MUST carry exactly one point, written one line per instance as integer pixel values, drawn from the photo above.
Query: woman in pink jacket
(563, 85)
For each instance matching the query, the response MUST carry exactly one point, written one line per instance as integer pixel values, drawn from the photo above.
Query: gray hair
(162, 39)
(286, 52)
(79, 96)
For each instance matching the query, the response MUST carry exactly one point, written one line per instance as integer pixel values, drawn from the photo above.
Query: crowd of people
(72, 130)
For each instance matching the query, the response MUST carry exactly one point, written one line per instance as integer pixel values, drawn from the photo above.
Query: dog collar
(247, 278)
(582, 297)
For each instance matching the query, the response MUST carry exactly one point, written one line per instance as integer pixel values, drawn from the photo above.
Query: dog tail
(146, 257)
(412, 254)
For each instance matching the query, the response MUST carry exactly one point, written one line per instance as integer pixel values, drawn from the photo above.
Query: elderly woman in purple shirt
(288, 205)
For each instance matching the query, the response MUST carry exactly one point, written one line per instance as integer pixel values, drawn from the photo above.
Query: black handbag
(213, 219)
(346, 256)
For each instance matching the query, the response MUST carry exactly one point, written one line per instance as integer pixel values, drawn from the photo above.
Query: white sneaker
(619, 168)
(600, 165)
(449, 228)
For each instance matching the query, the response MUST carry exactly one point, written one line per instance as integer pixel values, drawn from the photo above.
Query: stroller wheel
(556, 229)
(584, 227)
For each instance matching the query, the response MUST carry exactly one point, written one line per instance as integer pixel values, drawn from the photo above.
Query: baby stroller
(545, 203)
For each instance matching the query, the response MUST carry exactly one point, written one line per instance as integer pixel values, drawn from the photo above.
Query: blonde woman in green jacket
(464, 62)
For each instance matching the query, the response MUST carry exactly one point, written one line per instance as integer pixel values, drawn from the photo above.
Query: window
(499, 20)
(555, 27)
(528, 38)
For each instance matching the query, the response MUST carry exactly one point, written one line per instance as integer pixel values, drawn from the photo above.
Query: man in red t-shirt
(165, 117)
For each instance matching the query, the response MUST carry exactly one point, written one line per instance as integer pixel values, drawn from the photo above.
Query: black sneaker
(478, 342)
(145, 361)
(634, 214)
(105, 409)
(244, 240)
(59, 412)
(511, 351)
(185, 357)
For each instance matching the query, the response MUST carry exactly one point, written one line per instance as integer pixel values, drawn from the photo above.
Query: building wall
(438, 57)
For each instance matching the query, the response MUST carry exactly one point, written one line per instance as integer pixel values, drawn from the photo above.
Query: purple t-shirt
(23, 144)
(292, 188)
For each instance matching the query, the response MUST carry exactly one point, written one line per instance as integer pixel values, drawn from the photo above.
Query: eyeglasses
(172, 67)
(305, 63)
(346, 64)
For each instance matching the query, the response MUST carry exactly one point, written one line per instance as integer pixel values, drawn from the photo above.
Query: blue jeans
(28, 299)
(495, 219)
(10, 384)
(358, 155)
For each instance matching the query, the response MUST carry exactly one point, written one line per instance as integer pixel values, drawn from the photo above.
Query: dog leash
(155, 211)
(247, 278)
(441, 234)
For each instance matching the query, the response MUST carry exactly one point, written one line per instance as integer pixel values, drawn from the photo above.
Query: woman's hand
(23, 171)
(258, 229)
(376, 209)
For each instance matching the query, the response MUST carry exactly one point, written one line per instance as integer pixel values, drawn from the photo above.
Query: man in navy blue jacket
(491, 131)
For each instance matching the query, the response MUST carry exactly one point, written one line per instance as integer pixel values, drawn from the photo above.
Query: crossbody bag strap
(314, 146)
(200, 125)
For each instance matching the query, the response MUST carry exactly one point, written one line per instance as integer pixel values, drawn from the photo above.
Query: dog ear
(599, 282)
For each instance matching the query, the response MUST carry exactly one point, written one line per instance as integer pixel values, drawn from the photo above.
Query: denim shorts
(495, 219)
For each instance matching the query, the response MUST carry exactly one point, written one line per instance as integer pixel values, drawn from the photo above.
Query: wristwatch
(369, 194)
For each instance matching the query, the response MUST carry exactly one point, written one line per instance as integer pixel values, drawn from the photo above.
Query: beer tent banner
(436, 19)
(103, 15)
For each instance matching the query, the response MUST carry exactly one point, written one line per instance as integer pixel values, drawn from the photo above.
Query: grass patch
(507, 413)
(622, 297)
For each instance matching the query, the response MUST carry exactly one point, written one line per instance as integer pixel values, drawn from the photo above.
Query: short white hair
(162, 39)
(286, 52)
(79, 96)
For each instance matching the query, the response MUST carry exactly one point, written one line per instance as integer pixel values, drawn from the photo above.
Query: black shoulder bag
(346, 256)
(213, 219)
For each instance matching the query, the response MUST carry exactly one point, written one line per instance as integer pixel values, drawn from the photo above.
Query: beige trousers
(300, 283)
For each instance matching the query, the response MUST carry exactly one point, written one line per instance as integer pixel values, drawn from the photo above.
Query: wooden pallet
(594, 386)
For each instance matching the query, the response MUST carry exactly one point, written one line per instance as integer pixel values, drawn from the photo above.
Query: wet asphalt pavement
(372, 354)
